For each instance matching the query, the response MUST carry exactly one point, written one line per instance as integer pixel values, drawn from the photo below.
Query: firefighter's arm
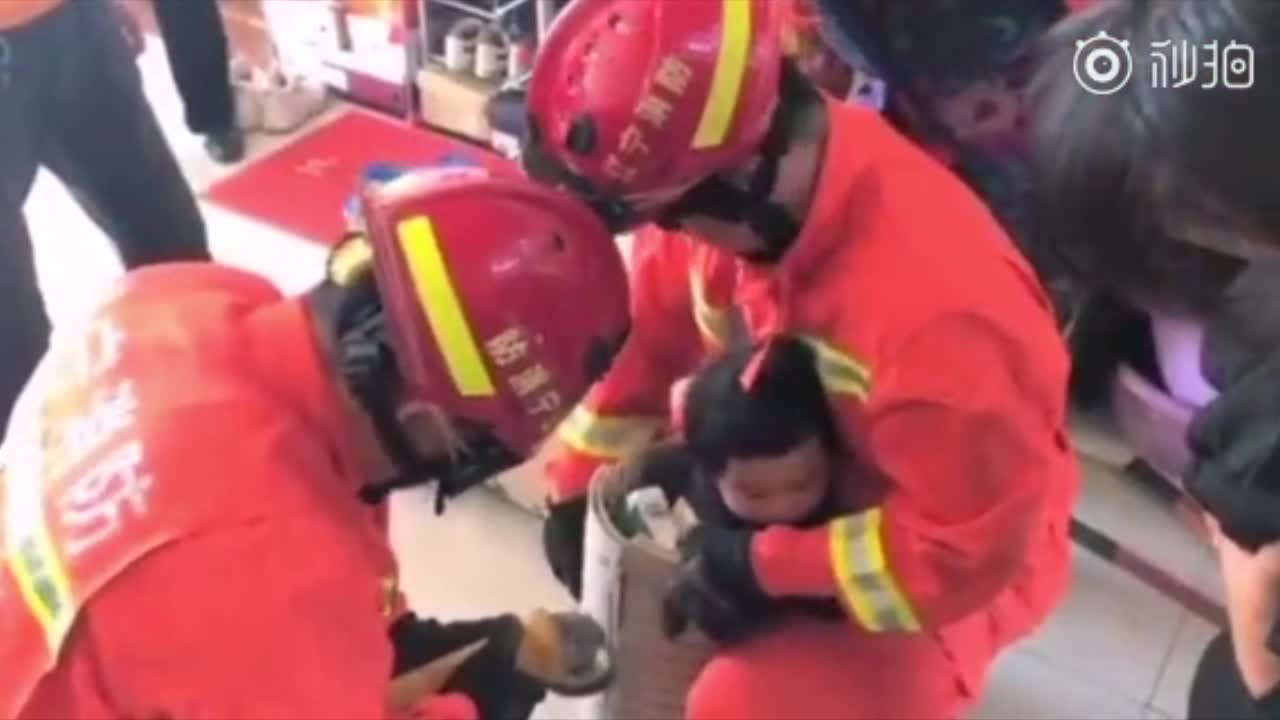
(968, 446)
(628, 408)
(238, 623)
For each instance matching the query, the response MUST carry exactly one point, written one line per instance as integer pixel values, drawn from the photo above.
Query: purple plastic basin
(1153, 422)
(1178, 344)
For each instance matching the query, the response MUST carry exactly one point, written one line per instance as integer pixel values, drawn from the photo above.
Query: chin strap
(453, 476)
(541, 165)
(368, 367)
(713, 197)
(718, 198)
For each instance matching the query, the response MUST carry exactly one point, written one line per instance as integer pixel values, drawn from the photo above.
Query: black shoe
(225, 147)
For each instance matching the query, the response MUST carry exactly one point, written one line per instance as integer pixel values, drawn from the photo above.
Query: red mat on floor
(302, 187)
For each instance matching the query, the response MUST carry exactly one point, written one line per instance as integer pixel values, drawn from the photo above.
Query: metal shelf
(419, 53)
(545, 9)
(517, 83)
(487, 15)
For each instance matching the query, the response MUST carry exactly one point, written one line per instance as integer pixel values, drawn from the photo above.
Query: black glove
(490, 677)
(716, 589)
(817, 608)
(562, 537)
(1236, 445)
(1235, 438)
(1238, 489)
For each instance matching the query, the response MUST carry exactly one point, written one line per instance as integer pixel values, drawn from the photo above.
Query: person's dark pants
(1217, 690)
(196, 43)
(71, 100)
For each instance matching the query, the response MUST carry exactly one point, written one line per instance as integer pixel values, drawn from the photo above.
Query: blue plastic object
(383, 172)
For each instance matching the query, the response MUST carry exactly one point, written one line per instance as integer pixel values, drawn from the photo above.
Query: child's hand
(725, 618)
(716, 589)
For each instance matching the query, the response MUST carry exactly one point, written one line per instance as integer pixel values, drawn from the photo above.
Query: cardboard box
(455, 102)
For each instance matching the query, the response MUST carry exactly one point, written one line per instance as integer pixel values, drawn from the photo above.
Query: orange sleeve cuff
(570, 474)
(792, 562)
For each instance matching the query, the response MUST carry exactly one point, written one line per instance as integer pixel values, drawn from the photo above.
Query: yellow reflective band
(32, 558)
(440, 303)
(713, 323)
(730, 73)
(351, 259)
(840, 373)
(609, 438)
(861, 568)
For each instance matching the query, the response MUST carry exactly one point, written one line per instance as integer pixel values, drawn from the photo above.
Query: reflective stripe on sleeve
(866, 582)
(607, 437)
(712, 322)
(840, 373)
(35, 563)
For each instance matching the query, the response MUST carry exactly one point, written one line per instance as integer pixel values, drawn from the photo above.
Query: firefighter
(183, 528)
(765, 207)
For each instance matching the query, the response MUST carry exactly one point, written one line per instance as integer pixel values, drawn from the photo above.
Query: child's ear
(676, 403)
(750, 376)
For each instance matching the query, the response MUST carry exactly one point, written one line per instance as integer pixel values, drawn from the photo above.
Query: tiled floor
(1116, 649)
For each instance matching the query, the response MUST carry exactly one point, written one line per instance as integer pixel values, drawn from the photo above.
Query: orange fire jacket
(945, 370)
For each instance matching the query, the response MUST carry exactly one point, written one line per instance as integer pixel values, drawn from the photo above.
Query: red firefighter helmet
(642, 99)
(504, 300)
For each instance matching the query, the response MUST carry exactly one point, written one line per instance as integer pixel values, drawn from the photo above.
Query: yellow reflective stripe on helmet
(840, 373)
(861, 568)
(730, 74)
(712, 322)
(440, 303)
(610, 438)
(36, 566)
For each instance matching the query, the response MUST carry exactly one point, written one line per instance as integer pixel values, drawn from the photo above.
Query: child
(761, 450)
(761, 438)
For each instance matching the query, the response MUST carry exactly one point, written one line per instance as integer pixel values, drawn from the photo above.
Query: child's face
(780, 490)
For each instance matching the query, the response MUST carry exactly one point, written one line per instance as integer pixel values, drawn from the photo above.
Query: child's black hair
(782, 405)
